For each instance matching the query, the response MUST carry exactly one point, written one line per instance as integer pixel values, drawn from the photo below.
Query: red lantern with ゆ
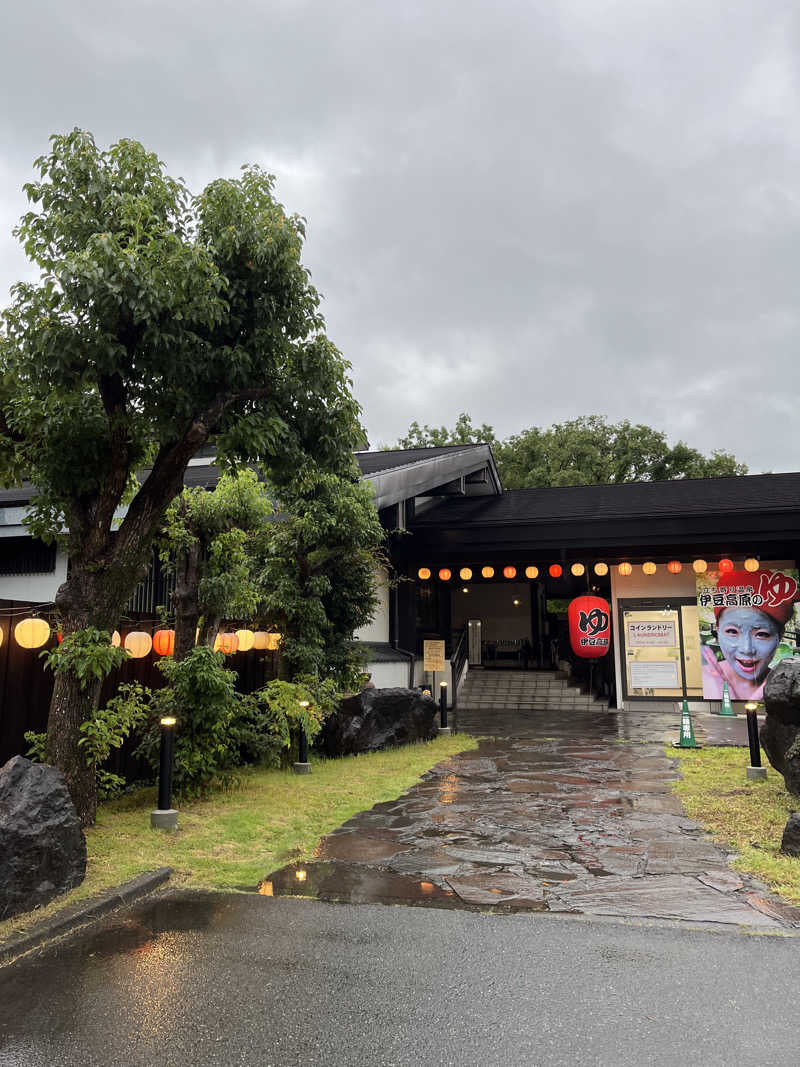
(589, 626)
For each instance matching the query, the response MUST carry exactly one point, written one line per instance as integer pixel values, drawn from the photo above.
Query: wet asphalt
(569, 814)
(221, 979)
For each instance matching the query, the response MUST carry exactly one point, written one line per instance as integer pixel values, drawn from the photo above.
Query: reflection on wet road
(564, 812)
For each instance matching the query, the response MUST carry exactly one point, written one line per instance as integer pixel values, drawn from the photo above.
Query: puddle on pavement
(353, 884)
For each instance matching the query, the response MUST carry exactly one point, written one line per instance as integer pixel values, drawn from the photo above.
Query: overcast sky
(524, 210)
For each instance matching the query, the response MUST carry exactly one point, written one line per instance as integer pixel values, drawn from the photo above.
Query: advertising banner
(748, 622)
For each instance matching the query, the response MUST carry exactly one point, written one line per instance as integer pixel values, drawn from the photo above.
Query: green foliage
(201, 696)
(584, 451)
(160, 322)
(218, 730)
(108, 784)
(36, 743)
(266, 719)
(463, 433)
(158, 315)
(319, 570)
(88, 654)
(590, 450)
(209, 540)
(111, 725)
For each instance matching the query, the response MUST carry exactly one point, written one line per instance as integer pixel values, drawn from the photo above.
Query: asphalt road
(202, 979)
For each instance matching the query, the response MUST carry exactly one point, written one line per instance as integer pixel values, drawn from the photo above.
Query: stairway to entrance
(524, 691)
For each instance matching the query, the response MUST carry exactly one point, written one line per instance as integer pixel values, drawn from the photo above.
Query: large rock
(780, 734)
(379, 718)
(790, 843)
(42, 847)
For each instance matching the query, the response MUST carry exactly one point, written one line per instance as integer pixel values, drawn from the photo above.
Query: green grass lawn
(236, 838)
(748, 817)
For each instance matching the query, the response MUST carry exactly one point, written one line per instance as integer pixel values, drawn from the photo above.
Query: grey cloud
(525, 211)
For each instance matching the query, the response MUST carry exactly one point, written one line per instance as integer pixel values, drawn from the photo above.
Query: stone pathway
(567, 812)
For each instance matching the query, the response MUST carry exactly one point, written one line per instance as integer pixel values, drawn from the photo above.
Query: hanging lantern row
(35, 632)
(699, 566)
(556, 570)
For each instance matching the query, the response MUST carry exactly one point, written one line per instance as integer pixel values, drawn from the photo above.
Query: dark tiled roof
(10, 498)
(700, 496)
(381, 652)
(376, 462)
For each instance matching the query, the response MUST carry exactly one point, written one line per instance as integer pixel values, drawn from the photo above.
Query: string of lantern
(34, 632)
(601, 569)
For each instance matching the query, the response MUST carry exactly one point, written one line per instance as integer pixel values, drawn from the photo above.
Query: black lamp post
(755, 771)
(444, 728)
(302, 766)
(165, 817)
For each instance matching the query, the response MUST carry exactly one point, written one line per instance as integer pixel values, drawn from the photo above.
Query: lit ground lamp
(444, 728)
(755, 772)
(302, 766)
(165, 817)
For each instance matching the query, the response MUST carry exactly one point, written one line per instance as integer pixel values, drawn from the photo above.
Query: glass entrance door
(660, 646)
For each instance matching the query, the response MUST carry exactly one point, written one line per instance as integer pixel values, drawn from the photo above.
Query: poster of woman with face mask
(748, 623)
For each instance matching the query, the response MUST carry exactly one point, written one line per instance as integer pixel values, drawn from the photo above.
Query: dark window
(26, 555)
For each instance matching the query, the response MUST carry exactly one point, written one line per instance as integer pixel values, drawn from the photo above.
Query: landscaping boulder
(780, 734)
(379, 718)
(790, 842)
(42, 847)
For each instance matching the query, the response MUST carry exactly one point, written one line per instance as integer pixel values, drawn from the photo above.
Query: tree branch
(165, 480)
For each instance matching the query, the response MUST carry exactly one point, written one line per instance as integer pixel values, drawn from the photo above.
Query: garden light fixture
(755, 772)
(165, 817)
(302, 766)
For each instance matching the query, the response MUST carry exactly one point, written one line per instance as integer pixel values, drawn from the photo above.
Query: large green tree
(160, 322)
(584, 451)
(318, 576)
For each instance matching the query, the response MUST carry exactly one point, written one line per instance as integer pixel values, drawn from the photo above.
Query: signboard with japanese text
(654, 632)
(747, 622)
(655, 674)
(433, 656)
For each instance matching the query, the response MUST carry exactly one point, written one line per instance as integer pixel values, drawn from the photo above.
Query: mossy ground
(235, 838)
(747, 817)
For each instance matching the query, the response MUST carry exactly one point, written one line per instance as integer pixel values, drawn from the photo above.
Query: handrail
(457, 662)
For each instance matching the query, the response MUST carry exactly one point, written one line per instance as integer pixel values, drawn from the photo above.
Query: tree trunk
(187, 613)
(70, 707)
(91, 596)
(210, 630)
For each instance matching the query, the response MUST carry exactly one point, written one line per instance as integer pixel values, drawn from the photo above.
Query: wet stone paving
(561, 812)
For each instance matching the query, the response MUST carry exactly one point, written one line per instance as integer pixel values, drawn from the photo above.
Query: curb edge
(75, 915)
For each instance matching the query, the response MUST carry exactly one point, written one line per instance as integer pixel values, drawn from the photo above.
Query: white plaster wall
(388, 675)
(422, 677)
(36, 588)
(378, 629)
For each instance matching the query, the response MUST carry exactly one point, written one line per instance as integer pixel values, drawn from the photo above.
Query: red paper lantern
(445, 575)
(674, 566)
(555, 570)
(164, 642)
(725, 566)
(226, 643)
(509, 572)
(589, 620)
